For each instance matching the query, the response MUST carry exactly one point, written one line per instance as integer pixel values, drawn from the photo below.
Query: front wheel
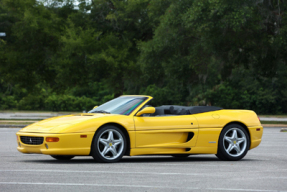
(109, 145)
(233, 143)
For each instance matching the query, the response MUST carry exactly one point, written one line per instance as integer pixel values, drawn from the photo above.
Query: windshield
(121, 105)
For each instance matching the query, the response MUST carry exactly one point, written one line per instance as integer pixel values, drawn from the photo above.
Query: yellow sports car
(127, 125)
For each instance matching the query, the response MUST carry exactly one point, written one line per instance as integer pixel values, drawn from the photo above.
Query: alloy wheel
(110, 144)
(234, 142)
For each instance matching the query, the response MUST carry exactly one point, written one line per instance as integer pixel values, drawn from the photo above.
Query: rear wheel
(233, 143)
(62, 157)
(109, 145)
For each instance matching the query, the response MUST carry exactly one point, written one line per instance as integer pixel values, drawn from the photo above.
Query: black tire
(233, 143)
(63, 157)
(181, 155)
(109, 144)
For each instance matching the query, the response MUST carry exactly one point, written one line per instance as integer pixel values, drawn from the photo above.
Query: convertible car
(127, 125)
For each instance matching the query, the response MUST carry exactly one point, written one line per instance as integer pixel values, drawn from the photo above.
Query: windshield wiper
(101, 111)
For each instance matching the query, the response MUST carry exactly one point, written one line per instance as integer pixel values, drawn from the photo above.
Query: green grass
(23, 111)
(275, 116)
(21, 120)
(15, 123)
(274, 122)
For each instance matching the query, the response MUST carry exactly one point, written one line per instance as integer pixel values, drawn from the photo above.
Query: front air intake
(32, 140)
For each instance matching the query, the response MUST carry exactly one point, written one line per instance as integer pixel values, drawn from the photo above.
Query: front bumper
(68, 144)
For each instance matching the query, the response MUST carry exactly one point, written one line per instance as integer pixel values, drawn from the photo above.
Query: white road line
(270, 177)
(227, 189)
(197, 164)
(173, 164)
(135, 172)
(111, 172)
(135, 186)
(99, 185)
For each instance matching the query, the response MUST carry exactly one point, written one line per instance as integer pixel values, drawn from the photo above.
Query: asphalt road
(264, 169)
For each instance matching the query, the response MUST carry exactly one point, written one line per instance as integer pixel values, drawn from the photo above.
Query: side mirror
(146, 110)
(95, 107)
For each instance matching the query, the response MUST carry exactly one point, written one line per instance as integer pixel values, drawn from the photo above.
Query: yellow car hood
(58, 124)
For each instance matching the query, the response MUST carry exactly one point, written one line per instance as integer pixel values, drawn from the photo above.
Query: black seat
(172, 110)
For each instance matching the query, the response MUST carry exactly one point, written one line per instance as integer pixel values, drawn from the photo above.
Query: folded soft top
(182, 110)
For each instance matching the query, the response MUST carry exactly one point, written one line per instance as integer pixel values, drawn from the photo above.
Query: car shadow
(134, 159)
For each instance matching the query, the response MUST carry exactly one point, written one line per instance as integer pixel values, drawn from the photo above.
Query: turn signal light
(52, 139)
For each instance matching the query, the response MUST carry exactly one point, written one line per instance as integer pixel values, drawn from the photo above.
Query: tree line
(227, 53)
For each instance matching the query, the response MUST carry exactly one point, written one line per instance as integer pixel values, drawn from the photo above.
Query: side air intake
(189, 136)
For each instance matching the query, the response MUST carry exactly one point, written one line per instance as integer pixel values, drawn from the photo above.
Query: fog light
(52, 139)
(19, 144)
(46, 146)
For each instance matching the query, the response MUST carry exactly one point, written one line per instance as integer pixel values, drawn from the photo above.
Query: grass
(21, 120)
(274, 116)
(274, 122)
(23, 111)
(15, 123)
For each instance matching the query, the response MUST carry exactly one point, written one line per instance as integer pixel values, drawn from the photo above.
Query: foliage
(190, 52)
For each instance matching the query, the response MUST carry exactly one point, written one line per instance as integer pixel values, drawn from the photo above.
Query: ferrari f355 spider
(127, 125)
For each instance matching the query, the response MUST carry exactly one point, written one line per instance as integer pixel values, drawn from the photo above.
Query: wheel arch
(221, 154)
(239, 123)
(123, 129)
(243, 125)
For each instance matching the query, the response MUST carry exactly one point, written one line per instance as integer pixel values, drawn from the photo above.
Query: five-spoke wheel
(233, 143)
(109, 144)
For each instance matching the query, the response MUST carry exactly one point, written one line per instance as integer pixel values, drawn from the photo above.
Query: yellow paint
(153, 151)
(148, 135)
(176, 138)
(146, 110)
(68, 144)
(221, 118)
(165, 122)
(255, 136)
(208, 137)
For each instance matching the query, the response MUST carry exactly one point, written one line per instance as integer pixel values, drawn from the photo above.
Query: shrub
(69, 103)
(8, 102)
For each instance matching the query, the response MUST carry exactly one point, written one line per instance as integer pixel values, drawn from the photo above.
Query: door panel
(166, 131)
